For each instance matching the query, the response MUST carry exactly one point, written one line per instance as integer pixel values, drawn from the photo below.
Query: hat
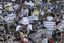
(21, 33)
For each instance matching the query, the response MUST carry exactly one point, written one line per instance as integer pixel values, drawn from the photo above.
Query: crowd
(32, 21)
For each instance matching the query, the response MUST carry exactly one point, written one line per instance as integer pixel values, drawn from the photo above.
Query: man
(39, 34)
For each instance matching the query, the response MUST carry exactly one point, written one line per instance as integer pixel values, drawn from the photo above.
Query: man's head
(44, 29)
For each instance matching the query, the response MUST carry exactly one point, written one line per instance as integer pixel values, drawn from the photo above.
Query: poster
(49, 24)
(35, 17)
(30, 19)
(25, 21)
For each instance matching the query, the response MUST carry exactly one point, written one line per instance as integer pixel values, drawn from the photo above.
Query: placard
(25, 20)
(30, 19)
(49, 24)
(10, 18)
(35, 17)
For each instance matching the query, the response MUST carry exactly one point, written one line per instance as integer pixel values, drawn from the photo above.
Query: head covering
(21, 33)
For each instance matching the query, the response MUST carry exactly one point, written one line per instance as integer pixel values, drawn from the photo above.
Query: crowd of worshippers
(33, 21)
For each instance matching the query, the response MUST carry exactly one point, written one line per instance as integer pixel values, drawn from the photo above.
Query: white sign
(10, 18)
(35, 17)
(0, 11)
(25, 20)
(30, 19)
(49, 24)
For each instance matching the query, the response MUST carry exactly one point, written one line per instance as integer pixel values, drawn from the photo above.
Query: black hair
(57, 22)
(44, 28)
(1, 25)
(13, 26)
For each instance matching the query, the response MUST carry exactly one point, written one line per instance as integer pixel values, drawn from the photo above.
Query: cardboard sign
(49, 24)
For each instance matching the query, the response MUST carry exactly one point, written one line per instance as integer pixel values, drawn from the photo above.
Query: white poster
(29, 27)
(35, 17)
(30, 19)
(25, 20)
(11, 16)
(49, 24)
